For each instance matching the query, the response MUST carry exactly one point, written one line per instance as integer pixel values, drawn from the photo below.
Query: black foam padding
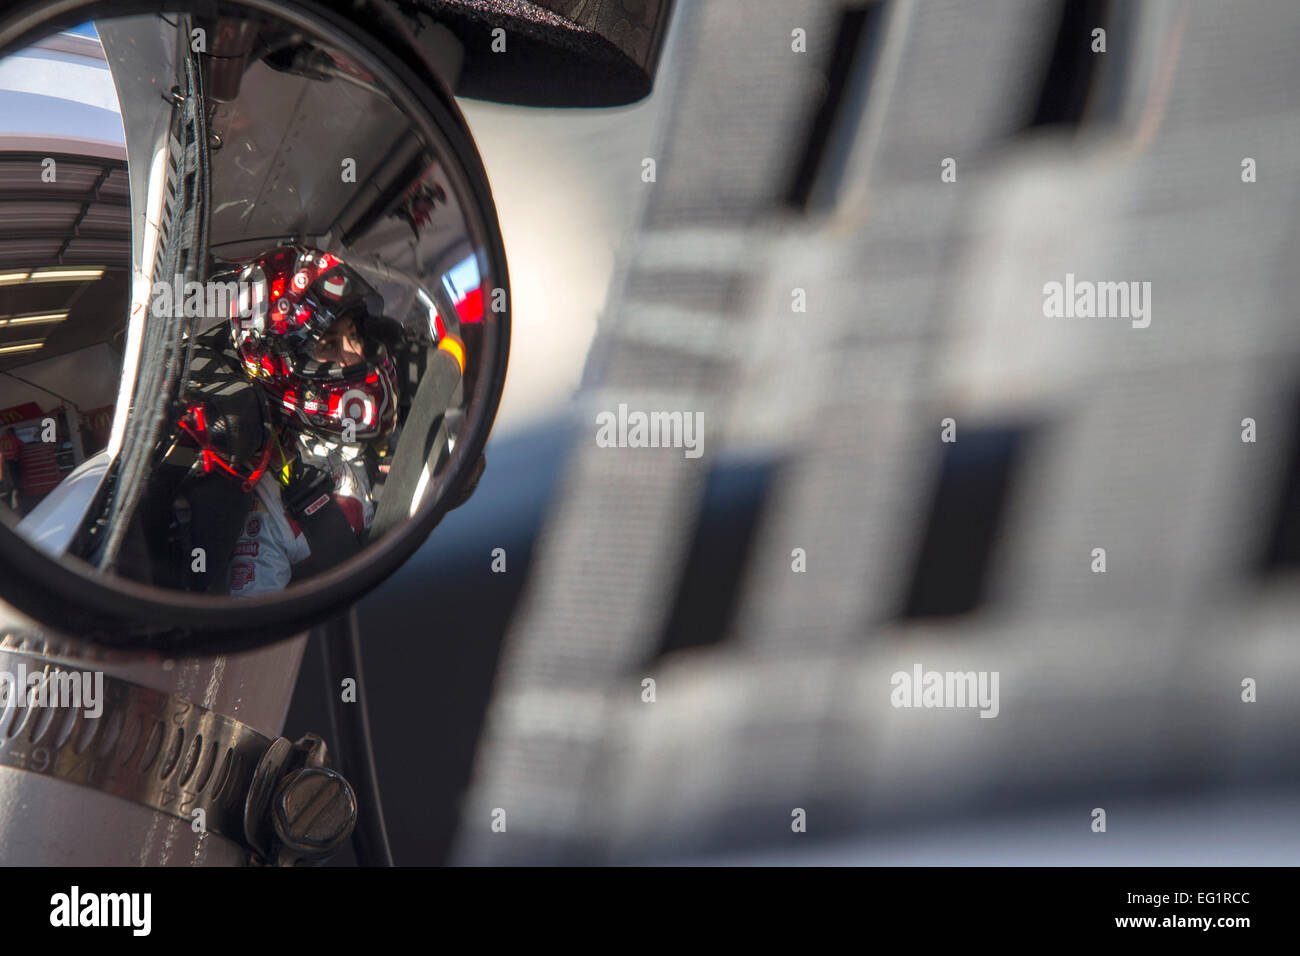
(558, 52)
(218, 507)
(231, 405)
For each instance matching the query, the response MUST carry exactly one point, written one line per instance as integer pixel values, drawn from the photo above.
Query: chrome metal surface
(155, 749)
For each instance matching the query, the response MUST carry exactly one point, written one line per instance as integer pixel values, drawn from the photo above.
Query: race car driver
(313, 337)
(301, 336)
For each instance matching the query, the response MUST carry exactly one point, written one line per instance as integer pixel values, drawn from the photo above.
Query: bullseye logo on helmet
(358, 406)
(300, 280)
(360, 411)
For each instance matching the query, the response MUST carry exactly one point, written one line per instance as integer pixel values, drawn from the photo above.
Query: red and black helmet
(287, 300)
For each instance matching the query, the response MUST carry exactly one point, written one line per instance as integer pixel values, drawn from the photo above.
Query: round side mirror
(254, 315)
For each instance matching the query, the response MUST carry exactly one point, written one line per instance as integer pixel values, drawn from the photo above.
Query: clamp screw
(314, 812)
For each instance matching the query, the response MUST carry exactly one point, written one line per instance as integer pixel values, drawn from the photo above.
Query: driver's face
(341, 343)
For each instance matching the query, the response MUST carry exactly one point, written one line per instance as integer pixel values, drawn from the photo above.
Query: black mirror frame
(125, 614)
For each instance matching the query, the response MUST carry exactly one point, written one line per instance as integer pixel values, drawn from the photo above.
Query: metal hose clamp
(153, 748)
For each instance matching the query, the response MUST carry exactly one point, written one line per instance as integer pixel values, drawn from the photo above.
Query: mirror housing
(111, 609)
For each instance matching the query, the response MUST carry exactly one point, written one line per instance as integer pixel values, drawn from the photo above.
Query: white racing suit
(271, 541)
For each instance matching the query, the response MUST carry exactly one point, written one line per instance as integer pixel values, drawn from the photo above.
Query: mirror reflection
(246, 308)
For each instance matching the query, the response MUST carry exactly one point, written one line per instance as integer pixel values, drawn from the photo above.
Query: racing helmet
(288, 299)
